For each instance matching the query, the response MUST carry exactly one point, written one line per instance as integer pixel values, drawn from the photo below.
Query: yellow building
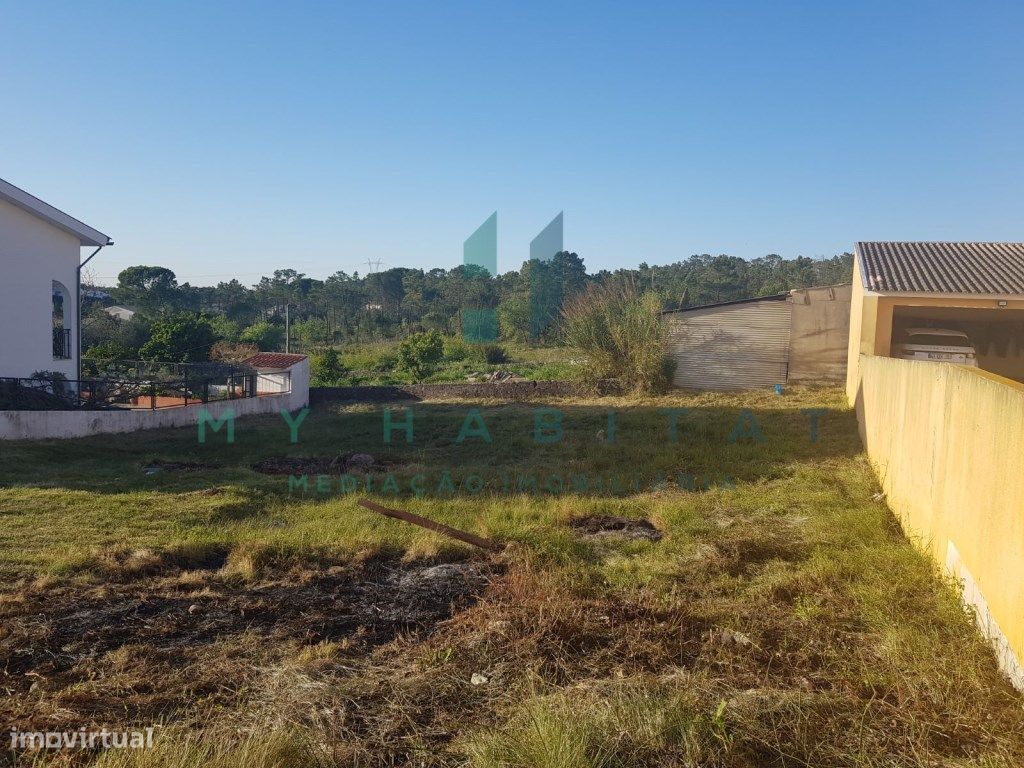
(947, 440)
(977, 288)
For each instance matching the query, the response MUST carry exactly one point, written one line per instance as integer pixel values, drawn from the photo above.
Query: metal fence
(58, 394)
(149, 370)
(62, 343)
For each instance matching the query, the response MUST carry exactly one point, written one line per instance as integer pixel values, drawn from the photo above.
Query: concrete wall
(947, 443)
(37, 425)
(858, 308)
(32, 255)
(820, 333)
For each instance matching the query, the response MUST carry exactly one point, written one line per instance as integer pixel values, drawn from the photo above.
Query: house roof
(86, 235)
(276, 360)
(774, 297)
(988, 269)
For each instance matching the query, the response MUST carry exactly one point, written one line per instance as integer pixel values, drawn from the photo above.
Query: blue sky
(227, 139)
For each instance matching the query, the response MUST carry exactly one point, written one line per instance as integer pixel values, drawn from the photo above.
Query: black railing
(61, 343)
(150, 370)
(57, 394)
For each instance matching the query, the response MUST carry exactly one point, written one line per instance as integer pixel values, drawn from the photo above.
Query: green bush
(327, 368)
(379, 357)
(514, 317)
(494, 354)
(622, 334)
(311, 333)
(455, 348)
(266, 336)
(108, 350)
(226, 330)
(420, 353)
(99, 327)
(180, 338)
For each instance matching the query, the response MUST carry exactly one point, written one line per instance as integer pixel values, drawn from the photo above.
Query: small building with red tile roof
(273, 361)
(278, 372)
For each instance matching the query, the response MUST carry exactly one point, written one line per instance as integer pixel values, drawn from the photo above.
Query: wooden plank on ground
(431, 525)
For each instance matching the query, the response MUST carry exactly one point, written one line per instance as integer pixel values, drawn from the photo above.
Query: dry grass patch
(778, 620)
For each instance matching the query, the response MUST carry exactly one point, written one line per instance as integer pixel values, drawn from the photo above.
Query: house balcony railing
(61, 343)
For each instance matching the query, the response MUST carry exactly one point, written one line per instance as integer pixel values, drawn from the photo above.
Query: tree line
(343, 308)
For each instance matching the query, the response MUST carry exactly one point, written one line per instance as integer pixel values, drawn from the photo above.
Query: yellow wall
(947, 444)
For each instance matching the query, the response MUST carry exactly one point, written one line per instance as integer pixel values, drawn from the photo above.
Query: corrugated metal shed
(735, 345)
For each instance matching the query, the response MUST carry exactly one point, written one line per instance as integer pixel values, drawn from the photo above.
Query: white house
(279, 372)
(40, 253)
(121, 313)
(40, 266)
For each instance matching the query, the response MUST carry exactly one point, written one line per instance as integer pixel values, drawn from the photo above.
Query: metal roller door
(742, 345)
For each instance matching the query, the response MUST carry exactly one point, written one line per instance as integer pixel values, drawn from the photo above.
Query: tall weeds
(621, 332)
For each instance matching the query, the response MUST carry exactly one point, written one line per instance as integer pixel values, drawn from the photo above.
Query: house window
(61, 322)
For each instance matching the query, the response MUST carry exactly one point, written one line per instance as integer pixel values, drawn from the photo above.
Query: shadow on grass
(456, 450)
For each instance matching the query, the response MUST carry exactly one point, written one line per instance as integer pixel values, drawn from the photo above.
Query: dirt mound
(188, 634)
(597, 526)
(344, 463)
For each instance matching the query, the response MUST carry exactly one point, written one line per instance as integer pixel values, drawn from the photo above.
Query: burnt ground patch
(145, 649)
(598, 526)
(353, 463)
(161, 465)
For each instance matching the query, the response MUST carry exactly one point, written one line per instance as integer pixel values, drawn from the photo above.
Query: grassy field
(377, 363)
(772, 614)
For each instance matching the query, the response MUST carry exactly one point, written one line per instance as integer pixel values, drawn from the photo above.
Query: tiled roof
(277, 360)
(965, 268)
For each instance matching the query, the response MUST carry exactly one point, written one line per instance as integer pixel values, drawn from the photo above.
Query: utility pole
(287, 330)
